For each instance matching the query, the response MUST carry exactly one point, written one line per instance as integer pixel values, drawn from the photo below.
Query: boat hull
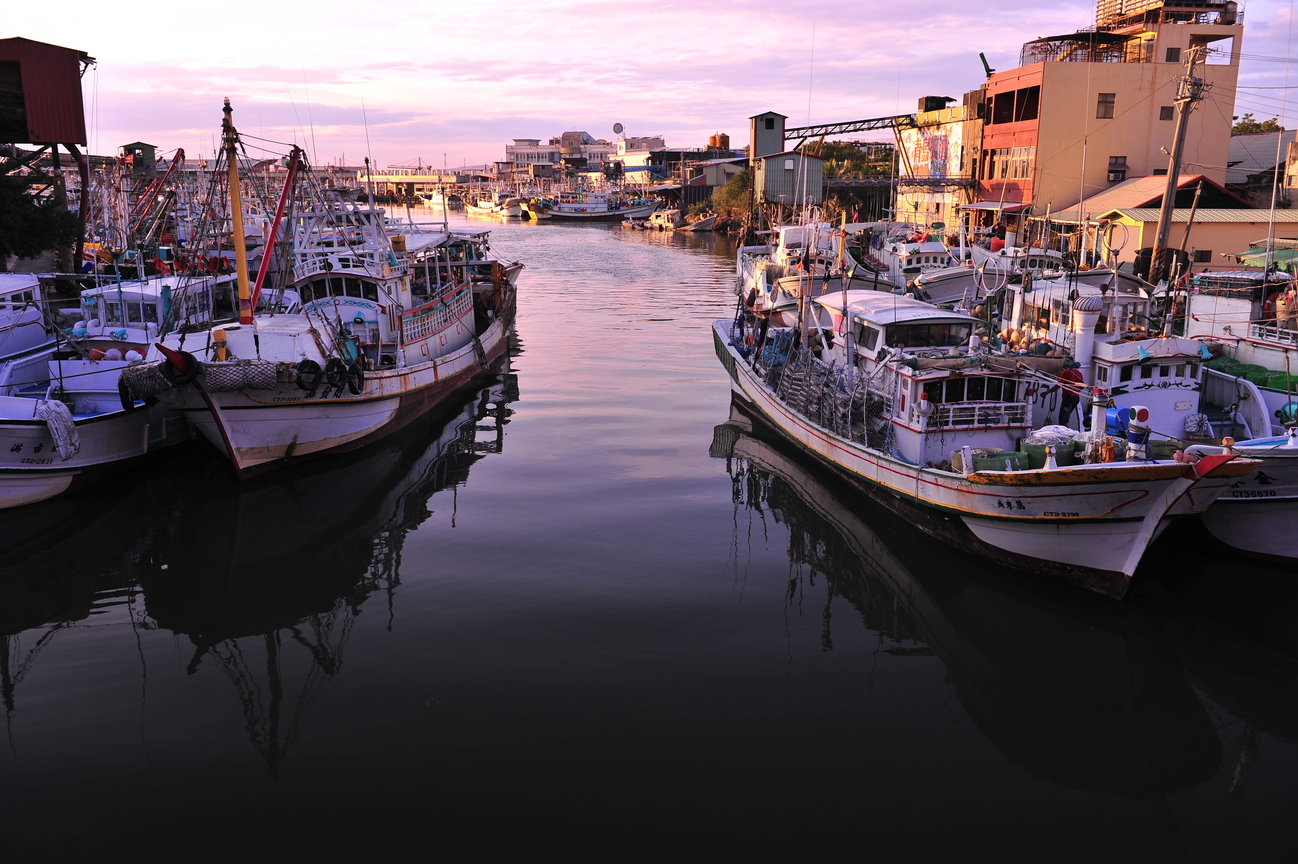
(1257, 514)
(593, 215)
(262, 430)
(31, 469)
(1088, 525)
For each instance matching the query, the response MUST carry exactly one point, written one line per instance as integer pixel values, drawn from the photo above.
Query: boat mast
(230, 139)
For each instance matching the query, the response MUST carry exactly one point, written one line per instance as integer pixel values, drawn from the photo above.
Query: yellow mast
(230, 139)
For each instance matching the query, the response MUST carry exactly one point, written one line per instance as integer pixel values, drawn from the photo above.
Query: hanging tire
(355, 379)
(172, 372)
(308, 375)
(125, 395)
(335, 372)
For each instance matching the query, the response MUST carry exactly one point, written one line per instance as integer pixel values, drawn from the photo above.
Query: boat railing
(972, 415)
(1271, 333)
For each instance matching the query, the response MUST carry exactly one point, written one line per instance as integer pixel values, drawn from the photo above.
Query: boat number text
(1253, 493)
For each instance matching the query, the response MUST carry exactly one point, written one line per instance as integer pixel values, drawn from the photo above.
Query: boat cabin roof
(151, 288)
(882, 308)
(797, 236)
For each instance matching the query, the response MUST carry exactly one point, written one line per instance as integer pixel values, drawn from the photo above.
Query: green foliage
(29, 226)
(731, 200)
(847, 161)
(1246, 125)
(698, 210)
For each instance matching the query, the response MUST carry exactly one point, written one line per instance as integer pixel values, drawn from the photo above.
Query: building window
(1160, 172)
(770, 122)
(1167, 112)
(1173, 55)
(1104, 107)
(1202, 256)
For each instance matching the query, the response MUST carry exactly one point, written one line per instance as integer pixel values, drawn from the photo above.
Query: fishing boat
(903, 400)
(592, 207)
(26, 333)
(799, 260)
(365, 356)
(665, 220)
(495, 204)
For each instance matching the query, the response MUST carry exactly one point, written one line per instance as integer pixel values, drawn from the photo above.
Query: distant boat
(592, 207)
(666, 220)
(498, 204)
(701, 225)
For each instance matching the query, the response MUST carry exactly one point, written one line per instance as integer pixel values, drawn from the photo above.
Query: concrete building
(1253, 160)
(525, 152)
(937, 158)
(1087, 110)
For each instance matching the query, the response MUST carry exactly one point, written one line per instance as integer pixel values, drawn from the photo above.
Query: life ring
(172, 371)
(125, 395)
(355, 379)
(335, 372)
(308, 375)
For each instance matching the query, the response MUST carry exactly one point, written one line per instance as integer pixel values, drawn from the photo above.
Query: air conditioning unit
(1117, 176)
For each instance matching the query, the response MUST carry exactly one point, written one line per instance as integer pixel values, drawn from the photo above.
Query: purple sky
(461, 80)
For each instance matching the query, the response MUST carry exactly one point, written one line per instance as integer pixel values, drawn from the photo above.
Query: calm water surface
(567, 608)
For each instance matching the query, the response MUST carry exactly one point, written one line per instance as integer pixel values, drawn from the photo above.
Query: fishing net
(240, 375)
(144, 380)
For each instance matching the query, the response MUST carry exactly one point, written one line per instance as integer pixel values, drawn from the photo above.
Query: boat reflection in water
(265, 579)
(1079, 691)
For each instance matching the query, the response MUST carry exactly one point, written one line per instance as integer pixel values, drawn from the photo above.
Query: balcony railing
(973, 415)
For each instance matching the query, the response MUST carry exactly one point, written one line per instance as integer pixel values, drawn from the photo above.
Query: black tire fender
(308, 375)
(125, 395)
(335, 372)
(173, 374)
(355, 379)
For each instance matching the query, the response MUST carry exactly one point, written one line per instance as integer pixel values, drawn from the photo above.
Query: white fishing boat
(495, 204)
(895, 395)
(665, 220)
(363, 357)
(592, 207)
(26, 333)
(77, 430)
(807, 259)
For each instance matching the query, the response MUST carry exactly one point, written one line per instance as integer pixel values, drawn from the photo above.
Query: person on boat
(1070, 384)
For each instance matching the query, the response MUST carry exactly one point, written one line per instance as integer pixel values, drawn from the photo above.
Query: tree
(28, 225)
(1246, 125)
(731, 200)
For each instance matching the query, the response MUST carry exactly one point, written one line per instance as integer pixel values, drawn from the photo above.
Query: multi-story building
(525, 152)
(1087, 110)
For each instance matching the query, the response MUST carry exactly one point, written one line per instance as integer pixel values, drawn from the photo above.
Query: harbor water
(570, 609)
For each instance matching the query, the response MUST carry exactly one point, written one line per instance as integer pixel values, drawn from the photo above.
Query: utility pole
(1189, 91)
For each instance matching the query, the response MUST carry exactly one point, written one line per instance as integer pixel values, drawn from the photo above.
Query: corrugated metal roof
(1129, 194)
(1150, 214)
(1253, 154)
(51, 78)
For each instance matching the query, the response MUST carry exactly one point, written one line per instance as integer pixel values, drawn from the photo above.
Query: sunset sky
(449, 80)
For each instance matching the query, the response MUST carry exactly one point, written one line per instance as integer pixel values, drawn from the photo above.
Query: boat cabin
(928, 385)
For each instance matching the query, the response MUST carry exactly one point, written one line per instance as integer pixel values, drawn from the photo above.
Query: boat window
(927, 335)
(976, 389)
(933, 390)
(1164, 371)
(954, 390)
(151, 312)
(1180, 370)
(308, 292)
(1008, 389)
(1146, 372)
(133, 313)
(868, 337)
(1125, 374)
(994, 389)
(113, 313)
(1194, 370)
(1101, 374)
(370, 291)
(353, 287)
